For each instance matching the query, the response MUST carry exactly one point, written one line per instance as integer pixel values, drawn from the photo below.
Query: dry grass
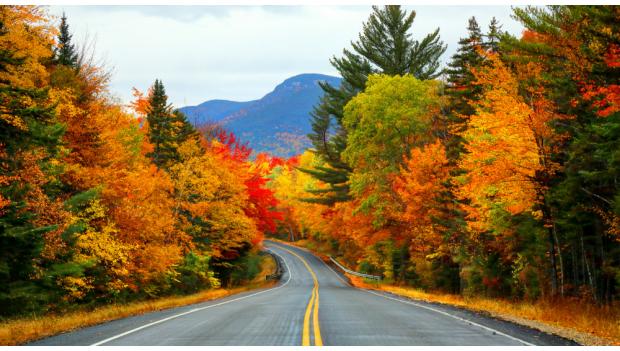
(584, 323)
(22, 330)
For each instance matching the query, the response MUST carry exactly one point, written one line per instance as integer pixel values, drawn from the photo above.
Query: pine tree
(27, 123)
(160, 133)
(462, 92)
(493, 36)
(460, 87)
(168, 129)
(65, 53)
(384, 46)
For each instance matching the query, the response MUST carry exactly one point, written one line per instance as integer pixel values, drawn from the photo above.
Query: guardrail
(363, 275)
(279, 270)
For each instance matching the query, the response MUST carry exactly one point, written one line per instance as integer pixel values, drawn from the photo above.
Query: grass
(585, 323)
(22, 330)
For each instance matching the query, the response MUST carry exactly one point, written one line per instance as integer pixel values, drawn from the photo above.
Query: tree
(211, 197)
(576, 46)
(493, 36)
(384, 46)
(168, 129)
(65, 52)
(421, 179)
(29, 148)
(160, 125)
(385, 121)
(460, 87)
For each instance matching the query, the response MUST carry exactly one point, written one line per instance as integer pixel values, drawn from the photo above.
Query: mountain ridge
(277, 122)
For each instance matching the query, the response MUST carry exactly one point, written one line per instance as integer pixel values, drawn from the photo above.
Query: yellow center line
(313, 302)
(318, 341)
(305, 336)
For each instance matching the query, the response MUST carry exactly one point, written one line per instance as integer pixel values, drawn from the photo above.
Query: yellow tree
(211, 196)
(291, 186)
(506, 151)
(508, 161)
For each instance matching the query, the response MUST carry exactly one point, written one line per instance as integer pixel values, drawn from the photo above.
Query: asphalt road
(312, 305)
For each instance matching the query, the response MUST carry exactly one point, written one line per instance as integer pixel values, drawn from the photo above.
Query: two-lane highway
(312, 305)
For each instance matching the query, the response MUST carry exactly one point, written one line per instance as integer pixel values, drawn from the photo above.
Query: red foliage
(261, 199)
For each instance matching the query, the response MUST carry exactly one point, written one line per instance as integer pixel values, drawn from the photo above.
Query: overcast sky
(240, 52)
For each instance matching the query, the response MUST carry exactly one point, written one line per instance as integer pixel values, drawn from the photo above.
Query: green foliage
(384, 46)
(65, 53)
(168, 129)
(194, 274)
(28, 132)
(385, 121)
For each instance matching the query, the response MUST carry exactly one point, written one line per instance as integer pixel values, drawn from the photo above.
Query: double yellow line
(311, 309)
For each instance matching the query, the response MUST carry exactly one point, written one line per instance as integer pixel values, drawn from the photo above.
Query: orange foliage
(506, 149)
(420, 181)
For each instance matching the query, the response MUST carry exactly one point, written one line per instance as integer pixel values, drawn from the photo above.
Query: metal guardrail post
(363, 275)
(279, 268)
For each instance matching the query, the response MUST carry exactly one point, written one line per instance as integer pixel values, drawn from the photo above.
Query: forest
(495, 176)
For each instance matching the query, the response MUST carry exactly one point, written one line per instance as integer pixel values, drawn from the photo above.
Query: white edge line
(429, 308)
(326, 265)
(198, 309)
(452, 316)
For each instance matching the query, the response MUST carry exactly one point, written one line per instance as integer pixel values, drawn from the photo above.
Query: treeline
(98, 206)
(497, 176)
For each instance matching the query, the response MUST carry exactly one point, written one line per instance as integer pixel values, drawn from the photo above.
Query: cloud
(240, 52)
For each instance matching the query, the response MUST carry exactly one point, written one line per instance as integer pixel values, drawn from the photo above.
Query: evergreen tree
(384, 46)
(160, 133)
(27, 123)
(167, 128)
(493, 36)
(460, 87)
(65, 53)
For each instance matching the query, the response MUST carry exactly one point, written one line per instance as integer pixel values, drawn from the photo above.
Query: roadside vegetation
(111, 208)
(16, 331)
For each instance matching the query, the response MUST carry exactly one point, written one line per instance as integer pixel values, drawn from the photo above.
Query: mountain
(277, 123)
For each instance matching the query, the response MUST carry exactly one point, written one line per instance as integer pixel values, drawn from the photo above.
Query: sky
(240, 52)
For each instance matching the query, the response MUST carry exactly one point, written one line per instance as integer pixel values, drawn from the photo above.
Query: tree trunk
(557, 243)
(554, 268)
(291, 232)
(585, 261)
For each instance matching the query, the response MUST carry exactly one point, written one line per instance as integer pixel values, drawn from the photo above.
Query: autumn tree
(385, 121)
(576, 49)
(384, 46)
(29, 151)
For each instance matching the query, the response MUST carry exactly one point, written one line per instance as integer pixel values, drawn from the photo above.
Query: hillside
(276, 123)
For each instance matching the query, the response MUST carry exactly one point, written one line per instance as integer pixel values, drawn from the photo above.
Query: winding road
(312, 305)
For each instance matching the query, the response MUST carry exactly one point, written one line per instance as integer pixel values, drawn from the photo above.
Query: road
(312, 305)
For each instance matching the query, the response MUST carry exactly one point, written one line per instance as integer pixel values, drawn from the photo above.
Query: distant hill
(276, 123)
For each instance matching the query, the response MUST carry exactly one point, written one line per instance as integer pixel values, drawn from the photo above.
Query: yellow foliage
(211, 187)
(503, 156)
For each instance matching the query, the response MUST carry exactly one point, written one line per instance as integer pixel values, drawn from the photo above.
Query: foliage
(384, 46)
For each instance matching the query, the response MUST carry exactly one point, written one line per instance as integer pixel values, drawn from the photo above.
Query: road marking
(452, 316)
(318, 340)
(305, 336)
(197, 309)
(429, 308)
(314, 300)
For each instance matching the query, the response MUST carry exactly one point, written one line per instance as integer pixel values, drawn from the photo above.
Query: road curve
(312, 305)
